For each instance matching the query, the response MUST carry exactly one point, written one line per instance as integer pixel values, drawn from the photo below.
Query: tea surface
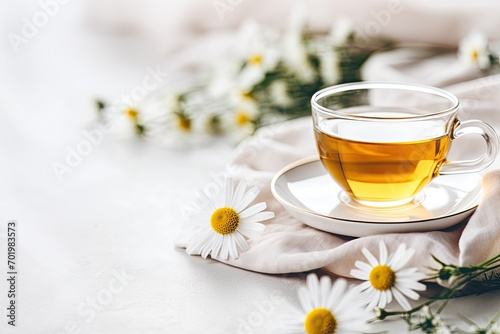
(387, 171)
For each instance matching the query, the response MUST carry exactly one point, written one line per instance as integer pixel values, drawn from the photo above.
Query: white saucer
(309, 194)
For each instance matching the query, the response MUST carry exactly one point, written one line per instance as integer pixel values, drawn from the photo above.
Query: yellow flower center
(255, 59)
(225, 220)
(184, 123)
(474, 55)
(246, 95)
(382, 277)
(242, 118)
(132, 114)
(320, 321)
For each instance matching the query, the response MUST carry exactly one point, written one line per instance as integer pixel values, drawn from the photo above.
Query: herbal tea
(383, 142)
(382, 171)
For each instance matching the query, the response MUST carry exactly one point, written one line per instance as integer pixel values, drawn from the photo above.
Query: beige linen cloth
(288, 245)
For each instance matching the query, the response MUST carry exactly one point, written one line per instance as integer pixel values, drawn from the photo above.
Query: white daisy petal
(250, 234)
(217, 246)
(241, 242)
(261, 216)
(233, 251)
(410, 272)
(403, 260)
(206, 248)
(199, 220)
(216, 195)
(312, 284)
(407, 292)
(356, 302)
(369, 256)
(215, 201)
(373, 301)
(383, 299)
(248, 197)
(229, 192)
(252, 210)
(363, 266)
(419, 287)
(337, 291)
(383, 253)
(370, 298)
(401, 300)
(197, 242)
(365, 285)
(258, 227)
(238, 194)
(304, 299)
(372, 294)
(411, 284)
(397, 256)
(325, 284)
(224, 253)
(388, 296)
(356, 273)
(209, 247)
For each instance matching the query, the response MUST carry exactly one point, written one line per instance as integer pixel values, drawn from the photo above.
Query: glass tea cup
(383, 142)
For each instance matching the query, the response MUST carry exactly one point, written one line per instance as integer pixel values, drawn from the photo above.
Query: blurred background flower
(267, 71)
(271, 78)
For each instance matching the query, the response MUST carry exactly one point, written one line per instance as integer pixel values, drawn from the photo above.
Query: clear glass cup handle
(475, 165)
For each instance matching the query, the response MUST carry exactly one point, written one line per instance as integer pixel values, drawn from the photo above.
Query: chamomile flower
(224, 222)
(260, 55)
(169, 124)
(387, 278)
(125, 120)
(429, 322)
(245, 111)
(447, 275)
(177, 116)
(327, 309)
(259, 62)
(329, 67)
(342, 32)
(473, 49)
(278, 90)
(244, 119)
(132, 114)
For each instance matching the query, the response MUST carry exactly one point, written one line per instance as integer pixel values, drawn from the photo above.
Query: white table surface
(117, 213)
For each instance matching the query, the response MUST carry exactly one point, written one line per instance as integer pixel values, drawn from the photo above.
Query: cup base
(403, 204)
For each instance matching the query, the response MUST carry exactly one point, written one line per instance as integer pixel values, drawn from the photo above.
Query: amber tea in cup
(384, 142)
